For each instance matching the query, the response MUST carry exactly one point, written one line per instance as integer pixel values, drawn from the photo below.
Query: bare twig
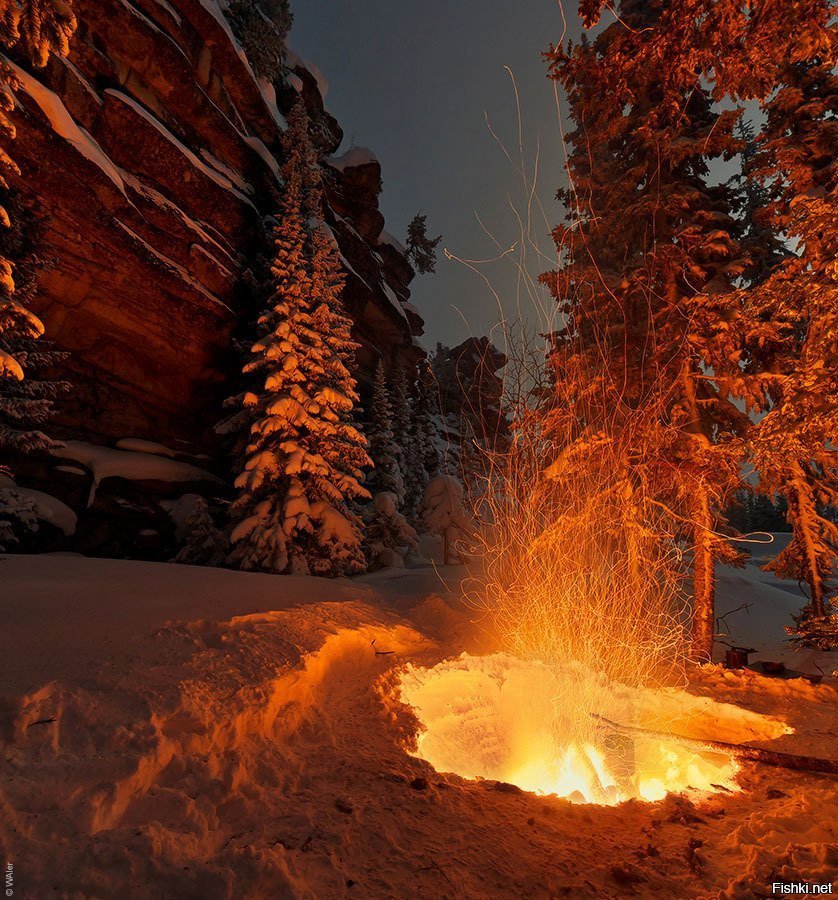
(42, 722)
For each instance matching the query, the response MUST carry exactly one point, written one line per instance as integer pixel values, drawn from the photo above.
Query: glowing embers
(503, 718)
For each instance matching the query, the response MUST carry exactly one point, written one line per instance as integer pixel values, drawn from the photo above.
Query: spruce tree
(387, 476)
(388, 534)
(763, 324)
(18, 515)
(205, 544)
(795, 314)
(303, 458)
(648, 255)
(444, 514)
(788, 304)
(415, 476)
(35, 28)
(421, 250)
(400, 402)
(422, 453)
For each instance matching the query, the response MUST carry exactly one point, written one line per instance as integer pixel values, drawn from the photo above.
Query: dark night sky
(412, 81)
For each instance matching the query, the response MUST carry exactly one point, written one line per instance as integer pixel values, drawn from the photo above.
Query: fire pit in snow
(547, 730)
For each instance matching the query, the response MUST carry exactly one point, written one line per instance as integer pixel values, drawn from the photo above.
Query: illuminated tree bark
(704, 581)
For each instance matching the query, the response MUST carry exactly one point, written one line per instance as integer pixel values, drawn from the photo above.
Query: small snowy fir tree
(415, 476)
(205, 545)
(820, 632)
(422, 452)
(388, 535)
(18, 515)
(444, 514)
(303, 458)
(401, 406)
(421, 250)
(386, 476)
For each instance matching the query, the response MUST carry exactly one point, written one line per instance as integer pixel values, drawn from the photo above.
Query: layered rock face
(149, 160)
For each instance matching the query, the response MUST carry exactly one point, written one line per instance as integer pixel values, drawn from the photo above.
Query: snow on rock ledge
(151, 155)
(104, 462)
(354, 158)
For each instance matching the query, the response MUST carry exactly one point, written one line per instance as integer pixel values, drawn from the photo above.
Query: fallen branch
(740, 751)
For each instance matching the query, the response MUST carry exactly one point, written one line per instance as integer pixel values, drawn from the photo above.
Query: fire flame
(503, 718)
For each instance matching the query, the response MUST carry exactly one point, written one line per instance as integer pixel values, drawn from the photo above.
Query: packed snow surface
(170, 731)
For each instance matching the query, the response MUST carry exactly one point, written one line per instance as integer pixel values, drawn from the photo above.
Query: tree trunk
(704, 582)
(704, 561)
(805, 512)
(446, 548)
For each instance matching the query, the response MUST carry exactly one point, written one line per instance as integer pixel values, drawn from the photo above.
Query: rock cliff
(149, 160)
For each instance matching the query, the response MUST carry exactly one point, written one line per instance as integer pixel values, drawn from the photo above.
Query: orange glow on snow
(506, 719)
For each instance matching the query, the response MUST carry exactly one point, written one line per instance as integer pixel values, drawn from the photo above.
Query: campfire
(522, 722)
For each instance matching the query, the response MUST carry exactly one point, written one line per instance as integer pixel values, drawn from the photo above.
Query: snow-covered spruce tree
(205, 544)
(303, 459)
(388, 535)
(36, 28)
(444, 514)
(18, 515)
(386, 477)
(647, 260)
(787, 310)
(796, 308)
(26, 401)
(401, 405)
(262, 27)
(415, 478)
(423, 460)
(421, 250)
(470, 393)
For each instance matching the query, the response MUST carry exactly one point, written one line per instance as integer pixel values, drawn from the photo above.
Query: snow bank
(753, 607)
(104, 463)
(211, 733)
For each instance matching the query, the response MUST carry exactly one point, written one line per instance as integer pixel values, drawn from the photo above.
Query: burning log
(740, 751)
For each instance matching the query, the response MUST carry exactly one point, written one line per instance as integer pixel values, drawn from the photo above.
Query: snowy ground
(188, 733)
